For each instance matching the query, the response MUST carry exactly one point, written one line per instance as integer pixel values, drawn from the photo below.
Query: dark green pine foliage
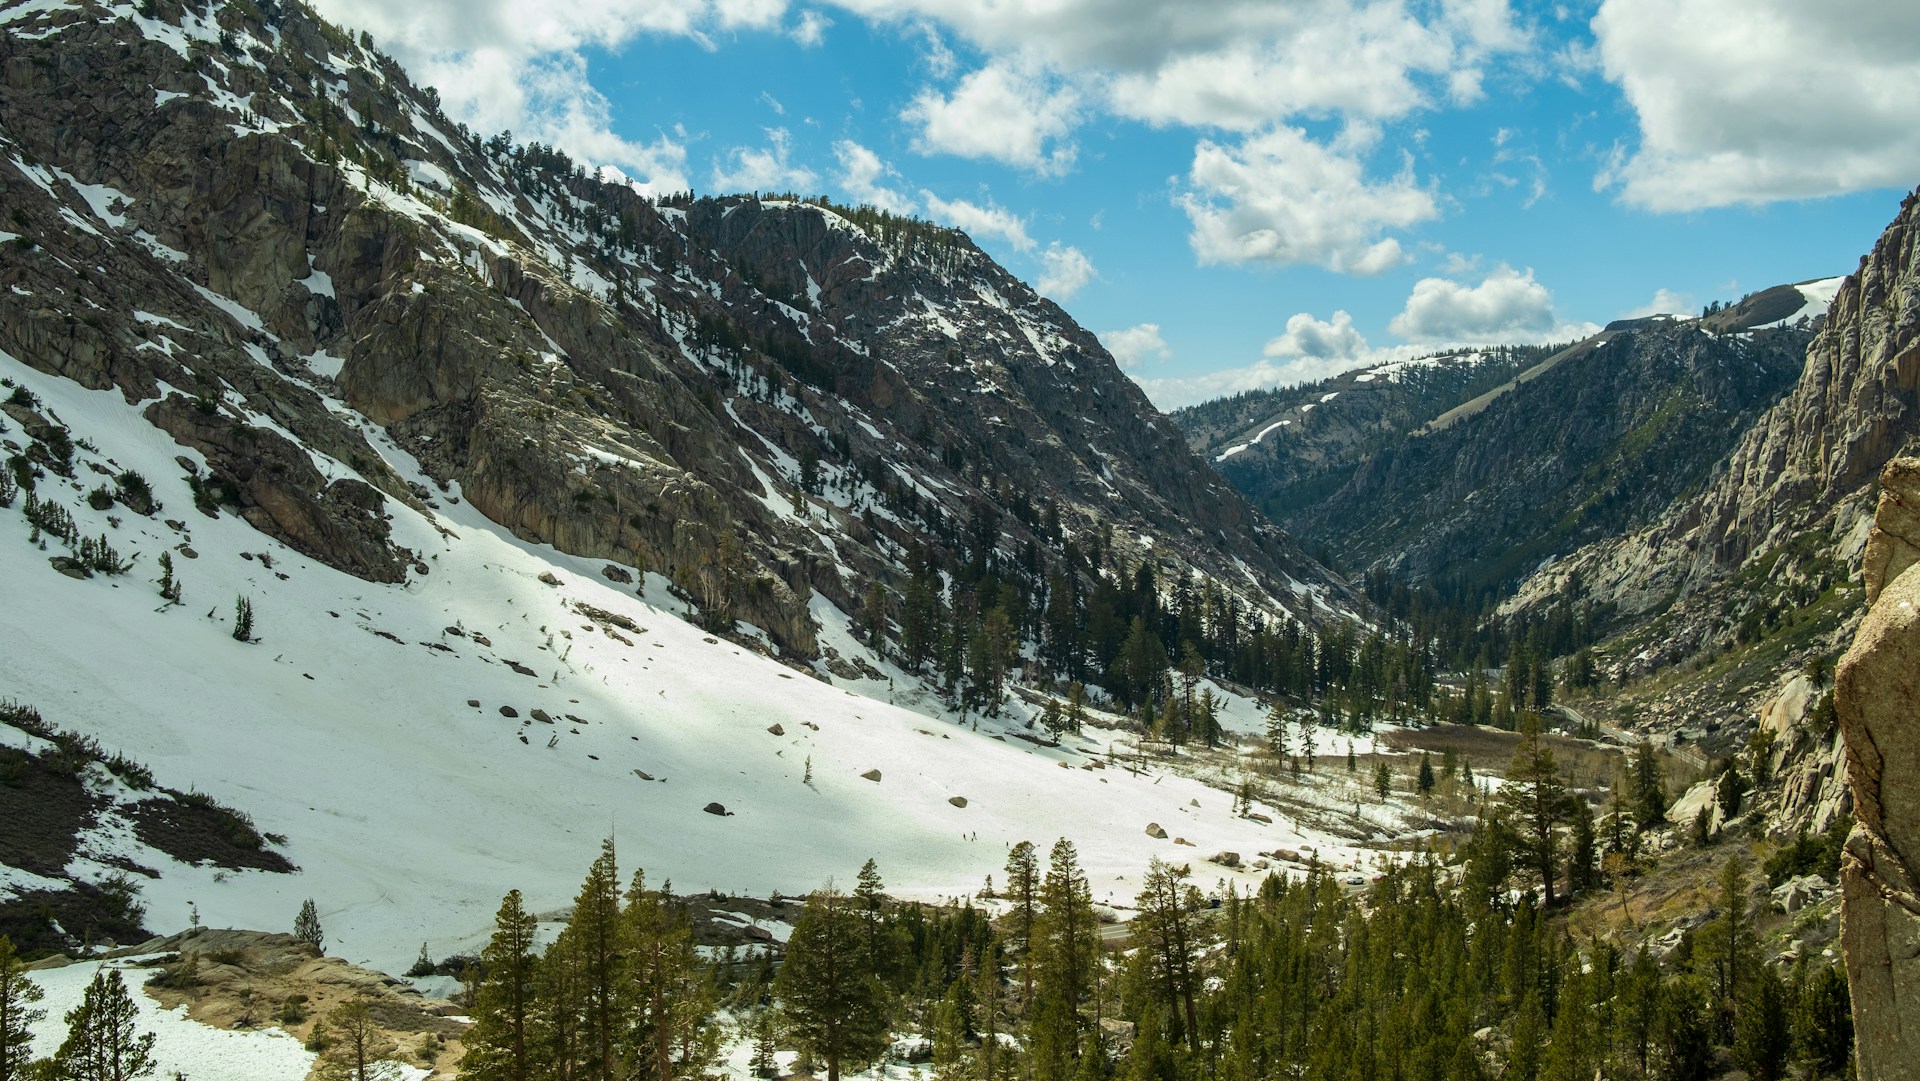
(834, 1005)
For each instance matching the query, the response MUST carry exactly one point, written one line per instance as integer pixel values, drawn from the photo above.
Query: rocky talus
(1878, 700)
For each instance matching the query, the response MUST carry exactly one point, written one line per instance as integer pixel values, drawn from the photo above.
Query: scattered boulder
(1184, 841)
(549, 578)
(70, 567)
(1257, 817)
(717, 809)
(1156, 832)
(1225, 859)
(620, 575)
(509, 711)
(1797, 893)
(872, 775)
(957, 801)
(474, 702)
(775, 729)
(541, 715)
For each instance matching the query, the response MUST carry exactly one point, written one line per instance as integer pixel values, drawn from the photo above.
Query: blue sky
(1248, 192)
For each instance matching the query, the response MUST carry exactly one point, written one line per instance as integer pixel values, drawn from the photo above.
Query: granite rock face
(1877, 699)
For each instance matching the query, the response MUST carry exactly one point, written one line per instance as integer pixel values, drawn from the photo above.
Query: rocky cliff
(1877, 692)
(257, 224)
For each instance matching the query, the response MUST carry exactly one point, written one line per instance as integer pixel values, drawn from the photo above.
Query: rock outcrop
(1878, 703)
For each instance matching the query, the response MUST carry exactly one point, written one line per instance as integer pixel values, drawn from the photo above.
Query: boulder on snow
(957, 801)
(717, 809)
(1258, 817)
(775, 729)
(474, 702)
(1154, 831)
(509, 711)
(1184, 841)
(549, 578)
(542, 716)
(872, 775)
(1225, 859)
(616, 574)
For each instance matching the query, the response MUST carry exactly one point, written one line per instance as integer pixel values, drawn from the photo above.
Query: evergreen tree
(835, 1008)
(1537, 803)
(103, 1042)
(1824, 1022)
(1762, 1034)
(1172, 943)
(1067, 939)
(1023, 897)
(1648, 787)
(356, 1049)
(306, 926)
(499, 1045)
(667, 1000)
(594, 945)
(1426, 779)
(17, 1014)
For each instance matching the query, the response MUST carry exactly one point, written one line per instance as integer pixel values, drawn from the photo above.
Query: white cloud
(1136, 345)
(1664, 302)
(1283, 199)
(1003, 112)
(1173, 393)
(1508, 306)
(1753, 101)
(1064, 271)
(768, 168)
(1238, 63)
(860, 176)
(978, 221)
(1306, 336)
(511, 64)
(811, 30)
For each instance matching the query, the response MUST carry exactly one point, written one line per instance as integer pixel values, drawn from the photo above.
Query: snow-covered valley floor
(346, 727)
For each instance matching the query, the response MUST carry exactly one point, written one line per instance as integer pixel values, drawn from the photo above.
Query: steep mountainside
(257, 226)
(1785, 521)
(1532, 454)
(1293, 447)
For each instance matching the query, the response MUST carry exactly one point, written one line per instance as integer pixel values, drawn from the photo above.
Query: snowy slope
(411, 812)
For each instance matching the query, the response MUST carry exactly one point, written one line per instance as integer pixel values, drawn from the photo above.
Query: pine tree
(666, 1024)
(1648, 787)
(103, 1043)
(1824, 1022)
(17, 1013)
(1762, 1034)
(835, 1007)
(1537, 802)
(356, 1049)
(1067, 942)
(1426, 778)
(306, 926)
(1172, 943)
(1023, 897)
(1382, 780)
(499, 1045)
(243, 619)
(594, 945)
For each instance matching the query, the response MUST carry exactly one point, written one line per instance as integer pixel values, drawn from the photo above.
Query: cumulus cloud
(1136, 345)
(1064, 271)
(1753, 101)
(862, 175)
(979, 221)
(507, 64)
(762, 168)
(1240, 63)
(811, 30)
(1281, 198)
(1004, 112)
(1305, 336)
(1508, 306)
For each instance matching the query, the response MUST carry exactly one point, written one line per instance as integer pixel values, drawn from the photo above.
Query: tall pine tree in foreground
(17, 1013)
(499, 1046)
(835, 1007)
(103, 1043)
